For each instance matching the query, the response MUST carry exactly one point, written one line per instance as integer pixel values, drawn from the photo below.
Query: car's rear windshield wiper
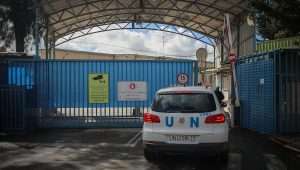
(189, 111)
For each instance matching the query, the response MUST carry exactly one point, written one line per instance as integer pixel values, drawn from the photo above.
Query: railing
(270, 45)
(12, 108)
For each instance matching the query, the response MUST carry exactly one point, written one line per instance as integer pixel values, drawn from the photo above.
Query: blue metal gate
(256, 89)
(61, 89)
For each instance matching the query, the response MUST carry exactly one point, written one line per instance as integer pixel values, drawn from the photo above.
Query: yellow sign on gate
(98, 88)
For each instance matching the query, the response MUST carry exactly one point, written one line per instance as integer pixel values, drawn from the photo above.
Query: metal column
(36, 30)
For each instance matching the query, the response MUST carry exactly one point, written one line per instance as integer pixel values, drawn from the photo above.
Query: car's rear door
(182, 115)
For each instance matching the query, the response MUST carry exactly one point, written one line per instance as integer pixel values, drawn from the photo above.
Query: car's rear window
(184, 103)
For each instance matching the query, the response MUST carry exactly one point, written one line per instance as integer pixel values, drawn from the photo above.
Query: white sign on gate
(132, 91)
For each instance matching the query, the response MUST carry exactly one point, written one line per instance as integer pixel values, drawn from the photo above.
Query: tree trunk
(20, 36)
(20, 25)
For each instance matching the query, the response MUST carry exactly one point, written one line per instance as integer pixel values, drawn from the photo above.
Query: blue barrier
(61, 88)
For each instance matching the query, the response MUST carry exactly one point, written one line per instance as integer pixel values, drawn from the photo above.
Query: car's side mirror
(223, 104)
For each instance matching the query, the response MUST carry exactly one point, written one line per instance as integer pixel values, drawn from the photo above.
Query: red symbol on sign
(132, 86)
(181, 120)
(182, 78)
(232, 58)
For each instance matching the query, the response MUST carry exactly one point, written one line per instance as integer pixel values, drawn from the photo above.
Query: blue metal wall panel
(243, 92)
(256, 89)
(275, 108)
(268, 97)
(68, 84)
(61, 88)
(288, 90)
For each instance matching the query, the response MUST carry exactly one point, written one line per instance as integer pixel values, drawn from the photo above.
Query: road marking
(234, 161)
(274, 163)
(137, 141)
(134, 140)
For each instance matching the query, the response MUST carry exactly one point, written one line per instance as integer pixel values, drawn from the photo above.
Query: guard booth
(92, 93)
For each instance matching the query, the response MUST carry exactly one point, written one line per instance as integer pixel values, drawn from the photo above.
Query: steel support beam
(143, 26)
(238, 38)
(36, 31)
(98, 20)
(46, 41)
(202, 21)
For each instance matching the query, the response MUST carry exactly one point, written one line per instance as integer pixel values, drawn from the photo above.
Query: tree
(16, 21)
(277, 18)
(6, 28)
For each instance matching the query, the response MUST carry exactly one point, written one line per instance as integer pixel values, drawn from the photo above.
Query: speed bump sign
(182, 78)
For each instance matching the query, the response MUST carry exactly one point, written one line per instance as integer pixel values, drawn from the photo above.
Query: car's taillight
(218, 118)
(151, 118)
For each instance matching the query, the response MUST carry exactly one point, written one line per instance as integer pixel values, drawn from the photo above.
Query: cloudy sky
(145, 42)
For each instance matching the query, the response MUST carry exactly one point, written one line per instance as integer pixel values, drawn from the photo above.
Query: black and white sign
(132, 91)
(182, 78)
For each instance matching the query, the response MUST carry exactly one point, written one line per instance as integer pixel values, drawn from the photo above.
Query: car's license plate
(182, 139)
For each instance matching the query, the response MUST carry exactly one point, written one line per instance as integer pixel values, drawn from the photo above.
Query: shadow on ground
(103, 149)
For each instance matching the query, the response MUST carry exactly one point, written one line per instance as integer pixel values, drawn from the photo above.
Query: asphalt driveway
(115, 149)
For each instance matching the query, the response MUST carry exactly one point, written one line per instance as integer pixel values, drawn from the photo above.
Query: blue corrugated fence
(269, 88)
(61, 88)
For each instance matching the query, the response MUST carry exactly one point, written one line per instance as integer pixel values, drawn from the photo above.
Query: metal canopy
(66, 17)
(137, 26)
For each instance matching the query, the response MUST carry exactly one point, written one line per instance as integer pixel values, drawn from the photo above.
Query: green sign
(98, 88)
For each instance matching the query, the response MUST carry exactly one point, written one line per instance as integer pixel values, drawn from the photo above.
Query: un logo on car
(181, 120)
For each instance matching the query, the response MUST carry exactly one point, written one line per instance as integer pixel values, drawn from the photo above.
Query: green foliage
(6, 28)
(16, 22)
(277, 18)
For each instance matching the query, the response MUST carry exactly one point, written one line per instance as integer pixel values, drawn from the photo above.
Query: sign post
(227, 42)
(237, 100)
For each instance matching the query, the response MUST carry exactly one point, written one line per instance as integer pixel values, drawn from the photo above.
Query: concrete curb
(284, 144)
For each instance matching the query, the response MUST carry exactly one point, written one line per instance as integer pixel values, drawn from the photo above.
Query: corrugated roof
(204, 16)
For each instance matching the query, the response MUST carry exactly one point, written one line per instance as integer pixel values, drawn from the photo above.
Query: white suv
(185, 120)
